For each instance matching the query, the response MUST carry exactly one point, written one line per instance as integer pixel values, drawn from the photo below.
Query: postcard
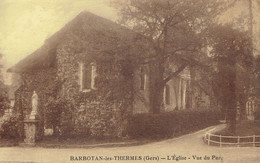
(125, 81)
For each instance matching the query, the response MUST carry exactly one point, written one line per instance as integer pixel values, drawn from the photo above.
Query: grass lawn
(86, 142)
(78, 140)
(243, 135)
(70, 141)
(8, 142)
(243, 128)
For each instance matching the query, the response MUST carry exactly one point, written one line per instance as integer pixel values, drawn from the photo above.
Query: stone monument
(34, 111)
(31, 124)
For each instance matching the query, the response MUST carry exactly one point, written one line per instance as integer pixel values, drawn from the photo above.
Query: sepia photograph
(123, 81)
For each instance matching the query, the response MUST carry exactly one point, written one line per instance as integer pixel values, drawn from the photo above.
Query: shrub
(58, 116)
(168, 124)
(9, 128)
(4, 101)
(257, 115)
(98, 120)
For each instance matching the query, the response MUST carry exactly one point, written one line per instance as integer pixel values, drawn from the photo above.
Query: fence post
(220, 141)
(253, 140)
(209, 139)
(238, 141)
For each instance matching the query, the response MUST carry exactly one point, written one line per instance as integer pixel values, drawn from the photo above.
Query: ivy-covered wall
(88, 38)
(42, 81)
(103, 111)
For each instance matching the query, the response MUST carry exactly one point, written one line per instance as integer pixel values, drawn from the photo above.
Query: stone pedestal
(31, 132)
(33, 115)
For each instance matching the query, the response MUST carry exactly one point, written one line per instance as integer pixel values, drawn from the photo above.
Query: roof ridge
(55, 39)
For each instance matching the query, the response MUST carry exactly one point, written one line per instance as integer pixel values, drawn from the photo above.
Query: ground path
(185, 146)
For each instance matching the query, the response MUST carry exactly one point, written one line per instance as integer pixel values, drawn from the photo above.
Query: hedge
(257, 115)
(9, 128)
(170, 124)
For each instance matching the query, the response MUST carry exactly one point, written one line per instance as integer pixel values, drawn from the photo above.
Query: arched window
(87, 76)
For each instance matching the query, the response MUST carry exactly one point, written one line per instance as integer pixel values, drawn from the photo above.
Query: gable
(85, 24)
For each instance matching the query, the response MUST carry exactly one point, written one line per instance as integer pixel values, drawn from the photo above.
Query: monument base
(30, 130)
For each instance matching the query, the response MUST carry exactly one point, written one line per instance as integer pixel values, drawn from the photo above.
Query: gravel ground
(188, 148)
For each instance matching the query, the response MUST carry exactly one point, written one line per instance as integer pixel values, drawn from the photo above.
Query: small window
(142, 78)
(87, 76)
(167, 95)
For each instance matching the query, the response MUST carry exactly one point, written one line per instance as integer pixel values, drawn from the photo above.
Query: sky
(25, 24)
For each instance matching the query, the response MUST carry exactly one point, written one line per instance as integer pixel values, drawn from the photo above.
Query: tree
(231, 50)
(174, 31)
(4, 101)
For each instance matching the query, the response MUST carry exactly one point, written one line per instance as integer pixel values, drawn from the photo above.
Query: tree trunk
(156, 88)
(232, 100)
(231, 116)
(227, 87)
(231, 111)
(157, 100)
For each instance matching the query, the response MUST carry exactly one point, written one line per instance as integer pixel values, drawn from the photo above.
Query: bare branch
(173, 74)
